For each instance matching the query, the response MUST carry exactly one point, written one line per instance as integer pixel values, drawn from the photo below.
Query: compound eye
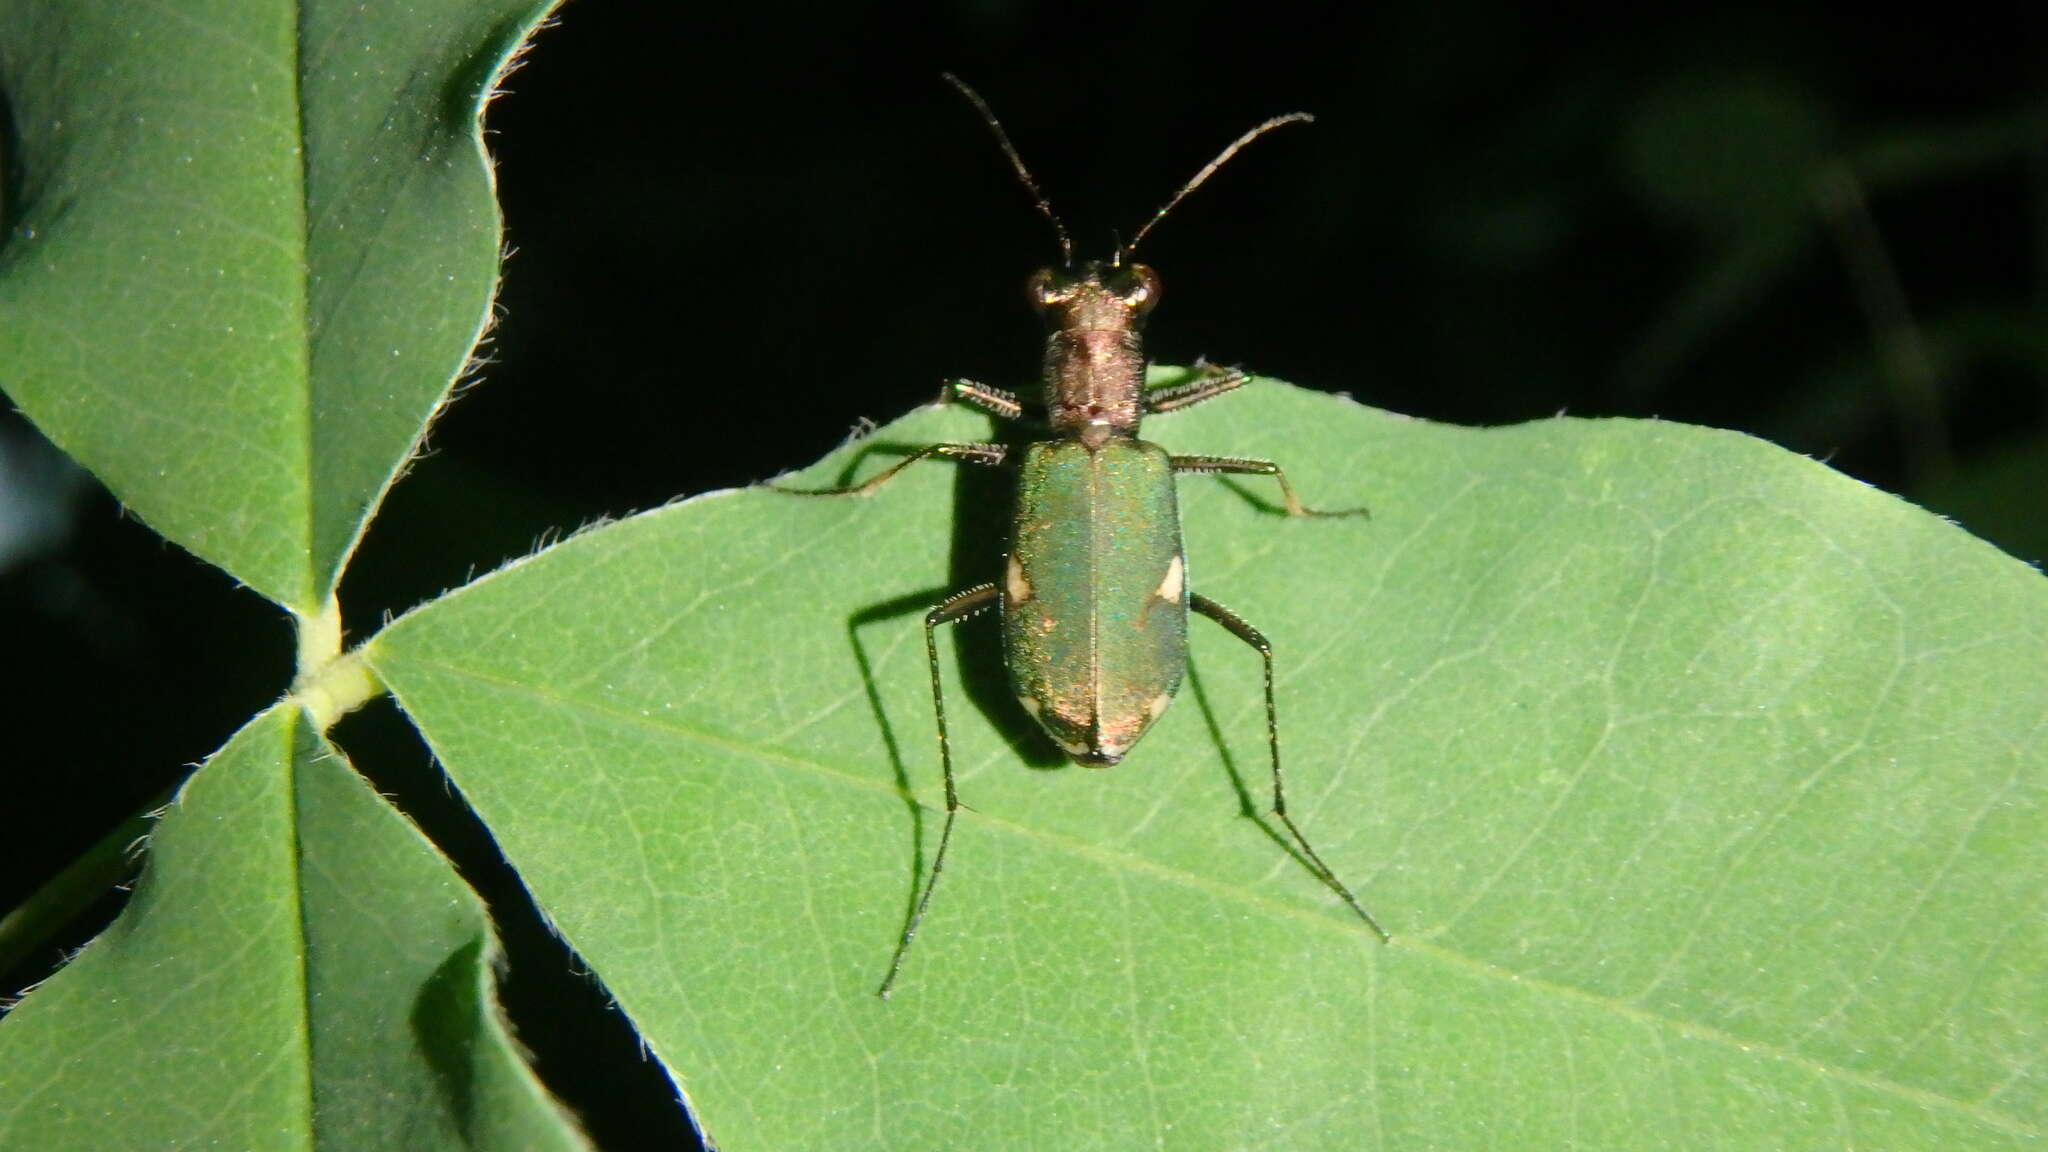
(1141, 288)
(1047, 288)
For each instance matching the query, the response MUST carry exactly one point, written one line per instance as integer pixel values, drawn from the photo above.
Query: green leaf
(255, 242)
(298, 968)
(1700, 786)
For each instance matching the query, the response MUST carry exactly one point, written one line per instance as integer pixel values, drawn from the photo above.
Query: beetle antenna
(1210, 170)
(1023, 173)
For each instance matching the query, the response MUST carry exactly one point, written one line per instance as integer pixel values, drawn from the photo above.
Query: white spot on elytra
(1015, 586)
(1030, 705)
(1158, 706)
(1171, 584)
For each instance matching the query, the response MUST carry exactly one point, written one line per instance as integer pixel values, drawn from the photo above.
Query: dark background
(740, 230)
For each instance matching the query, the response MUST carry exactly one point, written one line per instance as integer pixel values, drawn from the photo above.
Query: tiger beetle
(1094, 598)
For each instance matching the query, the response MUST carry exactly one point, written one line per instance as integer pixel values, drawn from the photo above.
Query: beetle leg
(994, 401)
(1214, 381)
(972, 453)
(959, 606)
(1245, 466)
(1236, 626)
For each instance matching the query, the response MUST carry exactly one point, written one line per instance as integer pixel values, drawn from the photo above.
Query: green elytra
(1094, 596)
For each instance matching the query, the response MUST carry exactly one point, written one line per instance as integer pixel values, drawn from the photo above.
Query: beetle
(1094, 597)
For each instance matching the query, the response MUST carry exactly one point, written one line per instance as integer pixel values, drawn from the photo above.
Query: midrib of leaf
(305, 342)
(1138, 865)
(295, 873)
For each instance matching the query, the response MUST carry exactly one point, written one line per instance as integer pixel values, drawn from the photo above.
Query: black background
(740, 230)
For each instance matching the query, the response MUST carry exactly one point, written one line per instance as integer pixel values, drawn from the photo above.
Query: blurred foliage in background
(738, 230)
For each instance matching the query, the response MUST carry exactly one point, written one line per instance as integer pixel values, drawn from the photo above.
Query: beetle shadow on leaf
(1250, 498)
